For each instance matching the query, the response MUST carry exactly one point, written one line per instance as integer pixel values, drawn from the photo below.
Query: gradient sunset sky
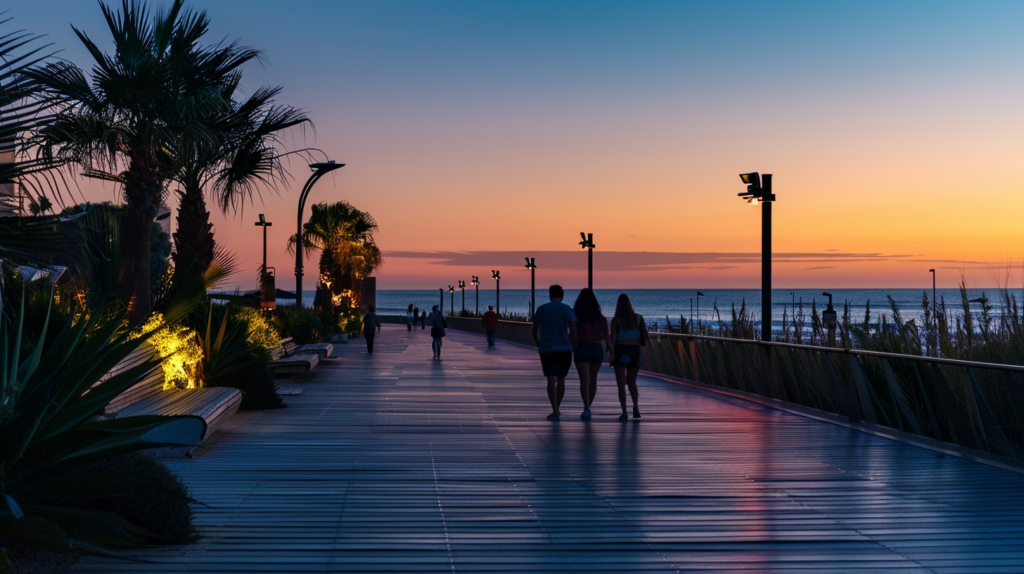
(477, 133)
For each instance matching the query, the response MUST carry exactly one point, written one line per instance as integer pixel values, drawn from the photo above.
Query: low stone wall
(513, 331)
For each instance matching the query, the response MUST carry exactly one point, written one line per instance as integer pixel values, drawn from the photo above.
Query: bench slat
(211, 404)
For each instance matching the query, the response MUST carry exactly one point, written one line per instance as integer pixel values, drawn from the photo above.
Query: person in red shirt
(490, 324)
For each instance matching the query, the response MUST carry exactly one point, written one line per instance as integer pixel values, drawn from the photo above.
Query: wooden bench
(295, 364)
(211, 405)
(321, 350)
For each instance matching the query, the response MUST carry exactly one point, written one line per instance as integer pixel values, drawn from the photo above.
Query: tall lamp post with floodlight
(496, 275)
(588, 244)
(451, 294)
(319, 170)
(476, 285)
(828, 318)
(699, 295)
(935, 316)
(759, 190)
(532, 266)
(462, 285)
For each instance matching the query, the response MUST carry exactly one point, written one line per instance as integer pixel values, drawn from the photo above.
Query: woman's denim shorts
(589, 353)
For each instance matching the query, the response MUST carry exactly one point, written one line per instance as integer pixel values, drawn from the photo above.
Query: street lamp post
(266, 290)
(759, 190)
(699, 295)
(451, 294)
(462, 285)
(496, 275)
(588, 244)
(319, 169)
(476, 284)
(828, 317)
(935, 317)
(532, 266)
(440, 291)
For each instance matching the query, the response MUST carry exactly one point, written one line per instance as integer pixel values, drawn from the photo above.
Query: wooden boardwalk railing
(393, 462)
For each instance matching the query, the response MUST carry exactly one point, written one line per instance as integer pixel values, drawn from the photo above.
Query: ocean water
(657, 304)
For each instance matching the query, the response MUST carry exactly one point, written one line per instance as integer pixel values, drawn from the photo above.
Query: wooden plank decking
(396, 463)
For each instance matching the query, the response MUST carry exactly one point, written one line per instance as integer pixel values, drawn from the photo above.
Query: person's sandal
(636, 412)
(586, 415)
(624, 417)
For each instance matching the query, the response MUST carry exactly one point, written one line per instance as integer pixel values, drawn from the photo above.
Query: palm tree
(141, 101)
(244, 155)
(348, 253)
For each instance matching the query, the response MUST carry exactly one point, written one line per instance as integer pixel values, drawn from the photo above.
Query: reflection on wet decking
(396, 463)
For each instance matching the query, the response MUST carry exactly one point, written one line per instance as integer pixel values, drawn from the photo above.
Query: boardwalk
(395, 463)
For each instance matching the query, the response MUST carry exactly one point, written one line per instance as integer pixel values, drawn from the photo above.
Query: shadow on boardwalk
(396, 463)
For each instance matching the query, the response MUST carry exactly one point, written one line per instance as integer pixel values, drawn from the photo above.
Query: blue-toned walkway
(396, 463)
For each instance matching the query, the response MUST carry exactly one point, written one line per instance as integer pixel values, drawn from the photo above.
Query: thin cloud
(819, 267)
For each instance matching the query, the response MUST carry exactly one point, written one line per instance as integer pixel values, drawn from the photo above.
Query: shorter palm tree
(348, 253)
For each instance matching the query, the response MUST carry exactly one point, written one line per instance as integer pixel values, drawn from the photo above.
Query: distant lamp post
(462, 285)
(476, 285)
(699, 295)
(588, 244)
(268, 288)
(759, 190)
(451, 293)
(532, 266)
(828, 318)
(440, 291)
(496, 275)
(319, 169)
(935, 317)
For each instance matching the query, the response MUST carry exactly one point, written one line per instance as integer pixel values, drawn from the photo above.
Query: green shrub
(305, 325)
(260, 331)
(252, 376)
(154, 499)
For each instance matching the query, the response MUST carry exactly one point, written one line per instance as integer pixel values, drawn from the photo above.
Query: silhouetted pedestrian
(410, 317)
(629, 333)
(438, 324)
(371, 326)
(593, 330)
(554, 331)
(490, 324)
(423, 319)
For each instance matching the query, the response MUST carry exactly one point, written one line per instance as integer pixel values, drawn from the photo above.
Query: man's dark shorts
(556, 364)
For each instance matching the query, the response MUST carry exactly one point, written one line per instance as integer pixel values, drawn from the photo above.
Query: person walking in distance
(554, 331)
(371, 326)
(628, 333)
(438, 324)
(490, 324)
(593, 330)
(410, 317)
(423, 319)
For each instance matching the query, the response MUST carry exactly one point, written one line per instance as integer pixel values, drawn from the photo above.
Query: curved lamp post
(588, 244)
(496, 275)
(532, 266)
(319, 169)
(759, 190)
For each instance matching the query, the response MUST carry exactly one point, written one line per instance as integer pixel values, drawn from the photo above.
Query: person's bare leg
(634, 392)
(594, 368)
(620, 380)
(553, 396)
(583, 370)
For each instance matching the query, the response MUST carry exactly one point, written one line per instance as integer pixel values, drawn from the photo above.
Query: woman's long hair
(625, 316)
(587, 308)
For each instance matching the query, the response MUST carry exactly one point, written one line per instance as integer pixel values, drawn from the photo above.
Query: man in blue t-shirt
(554, 331)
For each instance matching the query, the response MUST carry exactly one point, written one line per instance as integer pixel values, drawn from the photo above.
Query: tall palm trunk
(142, 188)
(193, 241)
